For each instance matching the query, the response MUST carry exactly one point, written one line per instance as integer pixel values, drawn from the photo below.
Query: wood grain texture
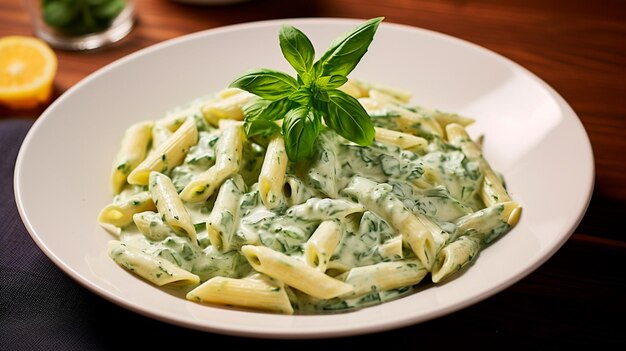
(577, 47)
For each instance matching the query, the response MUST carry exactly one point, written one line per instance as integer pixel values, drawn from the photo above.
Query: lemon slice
(27, 69)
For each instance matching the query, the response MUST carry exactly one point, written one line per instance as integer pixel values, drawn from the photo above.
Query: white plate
(532, 136)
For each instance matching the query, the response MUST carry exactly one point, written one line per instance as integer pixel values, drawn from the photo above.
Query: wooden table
(578, 47)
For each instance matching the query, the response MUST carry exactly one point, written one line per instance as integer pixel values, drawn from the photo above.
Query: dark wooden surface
(578, 47)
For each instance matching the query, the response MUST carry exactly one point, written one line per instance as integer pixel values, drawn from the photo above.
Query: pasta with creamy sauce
(230, 220)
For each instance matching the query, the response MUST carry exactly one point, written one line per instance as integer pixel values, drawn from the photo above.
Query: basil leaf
(254, 109)
(301, 96)
(268, 84)
(297, 49)
(345, 52)
(265, 109)
(260, 126)
(321, 95)
(300, 129)
(347, 117)
(331, 82)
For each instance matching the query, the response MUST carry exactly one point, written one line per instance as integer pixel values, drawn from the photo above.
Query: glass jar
(81, 24)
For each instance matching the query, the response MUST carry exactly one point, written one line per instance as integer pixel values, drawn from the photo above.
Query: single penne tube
(402, 140)
(227, 106)
(454, 256)
(426, 123)
(156, 270)
(422, 235)
(224, 218)
(492, 190)
(294, 272)
(260, 293)
(160, 134)
(383, 276)
(321, 245)
(120, 214)
(133, 150)
(398, 94)
(325, 209)
(170, 206)
(391, 249)
(272, 176)
(488, 223)
(152, 225)
(228, 160)
(167, 155)
(419, 239)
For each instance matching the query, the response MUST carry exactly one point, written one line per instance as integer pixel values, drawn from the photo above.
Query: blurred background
(577, 47)
(519, 30)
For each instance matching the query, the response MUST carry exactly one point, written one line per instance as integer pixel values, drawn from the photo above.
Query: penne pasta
(422, 235)
(294, 273)
(120, 214)
(160, 134)
(235, 223)
(170, 205)
(133, 150)
(152, 225)
(392, 249)
(400, 95)
(167, 155)
(324, 209)
(454, 256)
(383, 276)
(228, 105)
(272, 177)
(492, 190)
(321, 245)
(227, 162)
(156, 270)
(402, 140)
(489, 222)
(224, 217)
(257, 292)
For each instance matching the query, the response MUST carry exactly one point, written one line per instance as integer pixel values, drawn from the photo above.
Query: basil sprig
(311, 100)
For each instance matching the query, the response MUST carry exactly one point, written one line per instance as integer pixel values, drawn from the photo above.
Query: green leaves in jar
(312, 96)
(79, 17)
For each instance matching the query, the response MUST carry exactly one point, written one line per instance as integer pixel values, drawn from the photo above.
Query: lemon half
(27, 70)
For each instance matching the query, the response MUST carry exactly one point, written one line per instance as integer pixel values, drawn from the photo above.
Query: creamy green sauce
(366, 236)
